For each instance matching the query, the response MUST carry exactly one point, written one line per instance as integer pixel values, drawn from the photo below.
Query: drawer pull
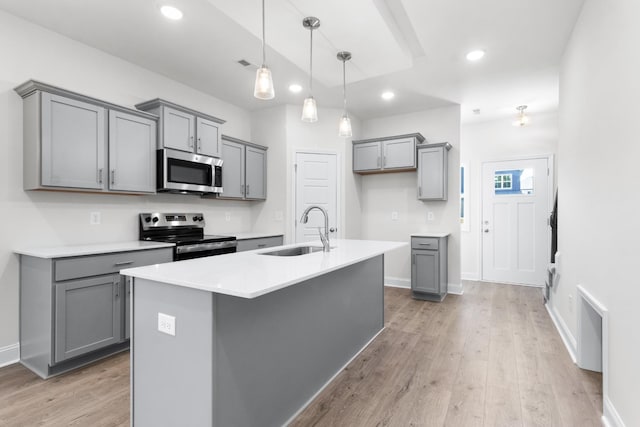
(123, 263)
(263, 245)
(426, 244)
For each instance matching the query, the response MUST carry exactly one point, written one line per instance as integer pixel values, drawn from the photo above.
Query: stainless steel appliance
(181, 172)
(186, 230)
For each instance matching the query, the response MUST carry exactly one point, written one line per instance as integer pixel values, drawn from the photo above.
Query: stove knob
(195, 218)
(147, 219)
(156, 219)
(201, 219)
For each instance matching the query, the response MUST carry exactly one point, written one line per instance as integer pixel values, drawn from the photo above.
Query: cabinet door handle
(199, 144)
(113, 176)
(117, 264)
(413, 259)
(378, 162)
(247, 189)
(242, 189)
(384, 161)
(117, 289)
(420, 191)
(191, 141)
(100, 176)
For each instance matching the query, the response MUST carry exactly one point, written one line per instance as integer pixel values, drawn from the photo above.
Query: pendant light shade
(309, 108)
(344, 129)
(263, 88)
(522, 119)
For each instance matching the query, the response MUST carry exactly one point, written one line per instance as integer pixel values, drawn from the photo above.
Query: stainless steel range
(186, 230)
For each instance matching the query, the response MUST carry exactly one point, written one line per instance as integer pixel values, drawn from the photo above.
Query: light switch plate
(94, 218)
(167, 324)
(430, 216)
(227, 216)
(394, 216)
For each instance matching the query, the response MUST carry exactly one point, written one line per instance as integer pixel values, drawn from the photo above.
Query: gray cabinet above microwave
(184, 129)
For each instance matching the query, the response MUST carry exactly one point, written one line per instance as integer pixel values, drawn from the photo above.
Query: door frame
(550, 194)
(294, 188)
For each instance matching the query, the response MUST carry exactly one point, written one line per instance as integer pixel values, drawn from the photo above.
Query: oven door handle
(199, 247)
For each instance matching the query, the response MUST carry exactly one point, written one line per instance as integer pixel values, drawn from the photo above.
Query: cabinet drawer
(95, 265)
(261, 243)
(430, 243)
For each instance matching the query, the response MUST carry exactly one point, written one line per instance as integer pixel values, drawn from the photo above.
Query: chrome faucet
(324, 237)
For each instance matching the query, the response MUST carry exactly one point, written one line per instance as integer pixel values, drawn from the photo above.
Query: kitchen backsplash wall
(56, 218)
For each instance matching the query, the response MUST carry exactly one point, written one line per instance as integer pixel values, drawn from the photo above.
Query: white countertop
(94, 249)
(251, 235)
(428, 234)
(250, 275)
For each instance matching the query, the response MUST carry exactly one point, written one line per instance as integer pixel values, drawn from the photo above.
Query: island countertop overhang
(252, 274)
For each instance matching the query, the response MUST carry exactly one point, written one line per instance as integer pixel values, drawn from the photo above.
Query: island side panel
(273, 353)
(172, 375)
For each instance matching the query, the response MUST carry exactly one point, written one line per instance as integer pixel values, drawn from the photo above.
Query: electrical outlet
(227, 216)
(167, 324)
(430, 216)
(279, 216)
(94, 218)
(394, 216)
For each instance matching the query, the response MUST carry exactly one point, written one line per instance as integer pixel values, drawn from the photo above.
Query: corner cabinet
(76, 143)
(244, 171)
(433, 171)
(75, 310)
(388, 154)
(184, 129)
(429, 267)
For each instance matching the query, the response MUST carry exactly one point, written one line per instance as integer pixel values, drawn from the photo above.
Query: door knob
(486, 230)
(332, 229)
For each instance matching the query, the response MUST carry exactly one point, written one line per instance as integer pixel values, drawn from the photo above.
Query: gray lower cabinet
(244, 171)
(429, 268)
(433, 171)
(75, 310)
(259, 243)
(74, 142)
(388, 154)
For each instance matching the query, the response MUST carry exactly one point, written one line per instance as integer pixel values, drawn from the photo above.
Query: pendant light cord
(344, 85)
(311, 64)
(263, 37)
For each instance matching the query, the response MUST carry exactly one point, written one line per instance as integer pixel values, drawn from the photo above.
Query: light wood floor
(489, 358)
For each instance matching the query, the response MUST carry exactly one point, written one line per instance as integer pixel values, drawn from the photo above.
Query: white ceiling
(414, 47)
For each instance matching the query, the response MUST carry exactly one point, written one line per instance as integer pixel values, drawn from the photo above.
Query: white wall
(281, 129)
(598, 185)
(56, 218)
(496, 140)
(385, 193)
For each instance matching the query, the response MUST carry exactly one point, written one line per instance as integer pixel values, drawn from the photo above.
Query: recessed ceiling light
(475, 55)
(171, 12)
(388, 95)
(295, 88)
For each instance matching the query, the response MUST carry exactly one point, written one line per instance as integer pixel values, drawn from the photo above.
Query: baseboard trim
(455, 289)
(9, 354)
(610, 417)
(396, 282)
(567, 337)
(470, 276)
(308, 402)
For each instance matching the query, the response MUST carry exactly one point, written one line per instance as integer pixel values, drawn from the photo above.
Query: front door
(316, 184)
(515, 232)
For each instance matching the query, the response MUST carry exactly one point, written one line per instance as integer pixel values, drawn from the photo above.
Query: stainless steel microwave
(180, 172)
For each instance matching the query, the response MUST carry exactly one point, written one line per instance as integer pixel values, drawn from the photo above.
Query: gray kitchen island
(250, 339)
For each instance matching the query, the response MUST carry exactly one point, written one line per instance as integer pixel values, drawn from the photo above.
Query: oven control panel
(172, 220)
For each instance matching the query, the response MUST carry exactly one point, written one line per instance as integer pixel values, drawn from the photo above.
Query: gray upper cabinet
(184, 129)
(73, 142)
(132, 143)
(433, 171)
(388, 154)
(244, 171)
(76, 143)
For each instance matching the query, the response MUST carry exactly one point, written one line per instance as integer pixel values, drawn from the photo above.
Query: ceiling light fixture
(388, 95)
(309, 109)
(522, 119)
(171, 12)
(295, 88)
(344, 129)
(263, 88)
(475, 55)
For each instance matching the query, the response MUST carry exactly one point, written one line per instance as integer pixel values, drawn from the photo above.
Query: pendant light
(523, 119)
(344, 129)
(264, 82)
(309, 109)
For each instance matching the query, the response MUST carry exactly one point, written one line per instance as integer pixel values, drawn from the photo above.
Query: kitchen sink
(298, 250)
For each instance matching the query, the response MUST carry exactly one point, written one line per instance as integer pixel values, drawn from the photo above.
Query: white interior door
(316, 184)
(515, 232)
